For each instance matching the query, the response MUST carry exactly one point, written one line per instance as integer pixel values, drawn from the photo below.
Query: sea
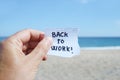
(95, 42)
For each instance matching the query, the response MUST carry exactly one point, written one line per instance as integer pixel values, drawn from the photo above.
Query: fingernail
(42, 35)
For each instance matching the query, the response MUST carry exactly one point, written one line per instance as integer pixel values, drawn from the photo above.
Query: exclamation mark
(71, 49)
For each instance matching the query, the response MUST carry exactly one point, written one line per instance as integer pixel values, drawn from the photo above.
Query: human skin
(21, 54)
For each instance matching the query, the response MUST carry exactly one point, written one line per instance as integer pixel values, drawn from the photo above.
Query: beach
(91, 64)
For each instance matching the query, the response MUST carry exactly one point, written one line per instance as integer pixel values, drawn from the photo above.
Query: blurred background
(92, 17)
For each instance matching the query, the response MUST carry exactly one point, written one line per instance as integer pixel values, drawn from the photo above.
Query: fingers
(41, 49)
(30, 45)
(28, 35)
(33, 43)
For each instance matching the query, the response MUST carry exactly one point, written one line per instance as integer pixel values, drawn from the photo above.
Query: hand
(21, 54)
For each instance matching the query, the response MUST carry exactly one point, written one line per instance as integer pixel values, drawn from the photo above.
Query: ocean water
(95, 41)
(2, 38)
(99, 41)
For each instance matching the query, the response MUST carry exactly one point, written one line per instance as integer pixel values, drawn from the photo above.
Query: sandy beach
(89, 65)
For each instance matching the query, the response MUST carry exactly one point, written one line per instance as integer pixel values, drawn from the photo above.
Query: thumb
(41, 49)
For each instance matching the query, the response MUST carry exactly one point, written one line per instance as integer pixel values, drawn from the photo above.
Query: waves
(101, 48)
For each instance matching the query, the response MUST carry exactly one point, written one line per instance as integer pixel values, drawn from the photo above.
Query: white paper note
(65, 42)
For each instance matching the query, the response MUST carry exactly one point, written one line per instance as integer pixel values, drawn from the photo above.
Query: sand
(89, 65)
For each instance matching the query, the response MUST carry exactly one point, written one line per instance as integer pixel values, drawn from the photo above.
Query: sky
(92, 17)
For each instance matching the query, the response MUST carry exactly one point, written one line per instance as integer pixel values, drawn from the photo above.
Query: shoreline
(101, 48)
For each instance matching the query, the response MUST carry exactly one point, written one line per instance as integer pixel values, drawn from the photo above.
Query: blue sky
(92, 17)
